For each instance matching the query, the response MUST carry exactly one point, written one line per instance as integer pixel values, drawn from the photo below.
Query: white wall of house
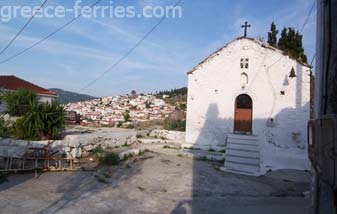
(46, 99)
(214, 85)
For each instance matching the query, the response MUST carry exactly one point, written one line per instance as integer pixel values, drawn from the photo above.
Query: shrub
(126, 116)
(177, 125)
(17, 102)
(42, 120)
(5, 130)
(109, 159)
(54, 122)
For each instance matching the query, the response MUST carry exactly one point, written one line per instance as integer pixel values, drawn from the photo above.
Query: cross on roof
(245, 26)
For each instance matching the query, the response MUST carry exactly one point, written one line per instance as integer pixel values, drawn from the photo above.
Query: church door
(243, 114)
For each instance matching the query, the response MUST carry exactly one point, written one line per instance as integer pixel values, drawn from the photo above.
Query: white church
(252, 101)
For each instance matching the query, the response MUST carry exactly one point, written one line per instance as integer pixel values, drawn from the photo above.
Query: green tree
(126, 116)
(272, 35)
(291, 43)
(17, 102)
(283, 41)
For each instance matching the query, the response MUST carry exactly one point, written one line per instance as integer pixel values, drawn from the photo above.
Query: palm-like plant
(18, 101)
(42, 121)
(33, 121)
(53, 120)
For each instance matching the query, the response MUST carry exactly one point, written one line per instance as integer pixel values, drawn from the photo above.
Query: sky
(79, 53)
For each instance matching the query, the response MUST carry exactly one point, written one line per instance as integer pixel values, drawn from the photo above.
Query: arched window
(244, 80)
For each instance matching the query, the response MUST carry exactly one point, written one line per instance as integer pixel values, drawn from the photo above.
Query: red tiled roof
(13, 83)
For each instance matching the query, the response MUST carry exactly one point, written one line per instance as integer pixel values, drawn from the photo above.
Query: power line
(307, 19)
(23, 27)
(313, 58)
(45, 38)
(127, 53)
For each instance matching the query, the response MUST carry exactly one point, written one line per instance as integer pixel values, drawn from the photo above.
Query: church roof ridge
(262, 44)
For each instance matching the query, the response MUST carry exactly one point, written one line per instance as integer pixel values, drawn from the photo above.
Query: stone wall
(73, 146)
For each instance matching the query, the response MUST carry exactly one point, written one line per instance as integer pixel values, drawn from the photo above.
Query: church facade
(251, 101)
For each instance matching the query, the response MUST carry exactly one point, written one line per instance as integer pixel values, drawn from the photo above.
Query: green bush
(5, 130)
(177, 125)
(17, 102)
(54, 122)
(109, 159)
(41, 121)
(105, 158)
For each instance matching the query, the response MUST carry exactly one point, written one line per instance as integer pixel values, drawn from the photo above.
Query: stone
(76, 152)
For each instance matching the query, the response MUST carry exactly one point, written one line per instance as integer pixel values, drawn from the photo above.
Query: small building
(253, 101)
(13, 83)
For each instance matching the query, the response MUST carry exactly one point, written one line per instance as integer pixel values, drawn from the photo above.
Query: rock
(89, 148)
(168, 135)
(76, 152)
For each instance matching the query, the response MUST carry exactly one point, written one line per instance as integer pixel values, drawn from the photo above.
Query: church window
(244, 63)
(244, 80)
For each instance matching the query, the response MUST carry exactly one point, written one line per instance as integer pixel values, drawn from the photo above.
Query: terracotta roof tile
(13, 83)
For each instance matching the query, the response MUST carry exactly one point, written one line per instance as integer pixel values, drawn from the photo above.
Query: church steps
(243, 147)
(243, 160)
(242, 154)
(242, 137)
(243, 141)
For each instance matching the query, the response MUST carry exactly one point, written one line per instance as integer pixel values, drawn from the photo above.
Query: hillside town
(131, 107)
(115, 110)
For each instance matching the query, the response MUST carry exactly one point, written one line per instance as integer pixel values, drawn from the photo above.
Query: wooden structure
(37, 159)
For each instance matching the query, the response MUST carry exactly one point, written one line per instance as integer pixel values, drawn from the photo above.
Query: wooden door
(243, 120)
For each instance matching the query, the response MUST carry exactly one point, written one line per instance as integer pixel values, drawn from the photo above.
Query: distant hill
(70, 97)
(177, 97)
(174, 92)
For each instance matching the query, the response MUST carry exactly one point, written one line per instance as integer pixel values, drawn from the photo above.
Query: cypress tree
(283, 41)
(272, 35)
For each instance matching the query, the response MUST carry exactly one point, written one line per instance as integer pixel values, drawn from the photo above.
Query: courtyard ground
(160, 181)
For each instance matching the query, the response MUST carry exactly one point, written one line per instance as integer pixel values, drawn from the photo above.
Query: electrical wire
(21, 30)
(45, 38)
(307, 19)
(127, 53)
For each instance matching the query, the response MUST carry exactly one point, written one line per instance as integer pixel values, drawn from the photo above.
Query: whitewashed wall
(46, 99)
(214, 85)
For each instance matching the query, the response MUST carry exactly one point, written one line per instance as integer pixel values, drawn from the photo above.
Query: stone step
(243, 153)
(241, 159)
(243, 141)
(244, 147)
(242, 136)
(249, 168)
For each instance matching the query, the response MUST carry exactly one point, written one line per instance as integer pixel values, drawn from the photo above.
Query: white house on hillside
(252, 100)
(13, 83)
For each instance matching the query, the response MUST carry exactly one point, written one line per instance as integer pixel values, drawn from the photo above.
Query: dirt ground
(156, 183)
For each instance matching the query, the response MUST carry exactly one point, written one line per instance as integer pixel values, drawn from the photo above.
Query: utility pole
(324, 191)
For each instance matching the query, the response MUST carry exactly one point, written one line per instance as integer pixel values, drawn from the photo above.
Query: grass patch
(105, 158)
(109, 159)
